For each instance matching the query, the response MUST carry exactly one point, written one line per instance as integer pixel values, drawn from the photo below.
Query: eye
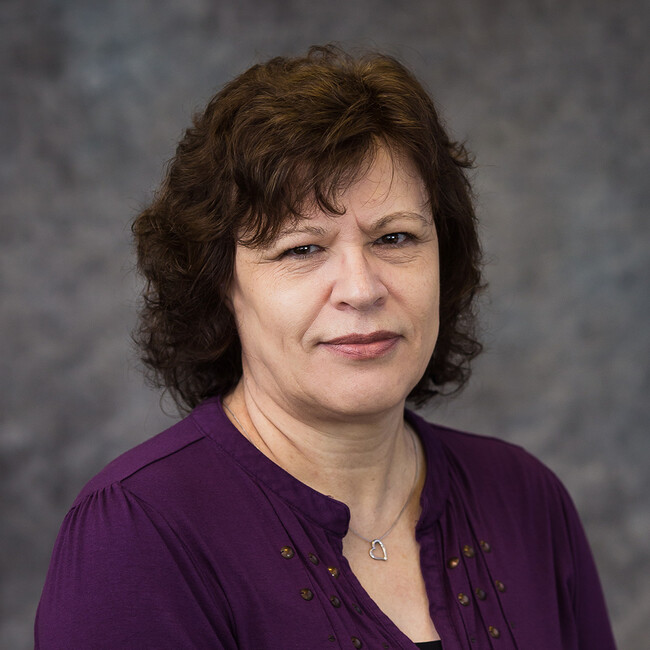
(394, 238)
(301, 251)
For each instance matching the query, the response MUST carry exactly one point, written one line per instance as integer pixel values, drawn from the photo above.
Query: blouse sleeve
(120, 577)
(590, 611)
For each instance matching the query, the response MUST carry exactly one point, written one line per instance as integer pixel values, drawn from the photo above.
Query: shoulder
(180, 476)
(494, 469)
(471, 448)
(124, 571)
(511, 498)
(161, 454)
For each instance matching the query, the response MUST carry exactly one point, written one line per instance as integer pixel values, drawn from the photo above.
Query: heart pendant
(376, 543)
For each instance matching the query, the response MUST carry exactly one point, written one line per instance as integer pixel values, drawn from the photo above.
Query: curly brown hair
(278, 137)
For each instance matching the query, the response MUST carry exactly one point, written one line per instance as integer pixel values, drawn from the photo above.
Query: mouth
(363, 346)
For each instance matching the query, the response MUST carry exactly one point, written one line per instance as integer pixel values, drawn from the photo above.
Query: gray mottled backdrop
(553, 98)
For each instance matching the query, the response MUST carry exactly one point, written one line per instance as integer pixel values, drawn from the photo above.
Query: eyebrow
(416, 216)
(301, 228)
(305, 228)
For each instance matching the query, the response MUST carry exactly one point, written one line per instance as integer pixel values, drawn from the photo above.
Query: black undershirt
(430, 645)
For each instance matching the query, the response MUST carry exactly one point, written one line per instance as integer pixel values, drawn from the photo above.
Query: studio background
(551, 96)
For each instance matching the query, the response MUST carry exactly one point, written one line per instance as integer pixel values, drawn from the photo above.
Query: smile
(363, 346)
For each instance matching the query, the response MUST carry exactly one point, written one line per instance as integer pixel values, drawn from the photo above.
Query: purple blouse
(195, 539)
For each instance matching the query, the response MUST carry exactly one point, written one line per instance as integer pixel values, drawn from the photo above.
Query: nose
(358, 284)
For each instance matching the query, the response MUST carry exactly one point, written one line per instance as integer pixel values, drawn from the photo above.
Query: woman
(312, 263)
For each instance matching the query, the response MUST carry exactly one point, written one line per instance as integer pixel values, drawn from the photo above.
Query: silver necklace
(376, 544)
(241, 426)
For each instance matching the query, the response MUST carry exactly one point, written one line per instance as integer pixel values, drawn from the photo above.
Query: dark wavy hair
(281, 136)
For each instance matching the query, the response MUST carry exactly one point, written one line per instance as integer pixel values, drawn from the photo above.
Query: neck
(367, 463)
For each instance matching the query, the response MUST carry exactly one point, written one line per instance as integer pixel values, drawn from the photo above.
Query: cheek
(431, 285)
(422, 302)
(273, 316)
(421, 292)
(429, 316)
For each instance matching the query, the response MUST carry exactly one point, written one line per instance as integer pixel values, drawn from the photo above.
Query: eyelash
(293, 252)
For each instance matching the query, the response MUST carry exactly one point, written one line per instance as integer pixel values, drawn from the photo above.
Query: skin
(330, 410)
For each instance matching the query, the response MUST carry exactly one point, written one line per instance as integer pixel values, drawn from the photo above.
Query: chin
(363, 399)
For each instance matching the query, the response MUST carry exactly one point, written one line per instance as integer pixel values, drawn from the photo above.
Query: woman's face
(339, 315)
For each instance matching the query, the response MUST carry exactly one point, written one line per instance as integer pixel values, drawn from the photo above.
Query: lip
(363, 346)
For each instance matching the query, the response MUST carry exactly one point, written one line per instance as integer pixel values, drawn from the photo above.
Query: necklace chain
(236, 419)
(377, 541)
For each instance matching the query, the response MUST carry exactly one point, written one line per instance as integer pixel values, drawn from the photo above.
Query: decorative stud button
(463, 599)
(356, 642)
(333, 571)
(331, 638)
(494, 632)
(335, 601)
(485, 547)
(499, 585)
(307, 594)
(357, 609)
(453, 562)
(468, 551)
(313, 559)
(480, 593)
(287, 551)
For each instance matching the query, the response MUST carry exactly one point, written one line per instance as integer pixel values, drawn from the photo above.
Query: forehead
(388, 179)
(389, 186)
